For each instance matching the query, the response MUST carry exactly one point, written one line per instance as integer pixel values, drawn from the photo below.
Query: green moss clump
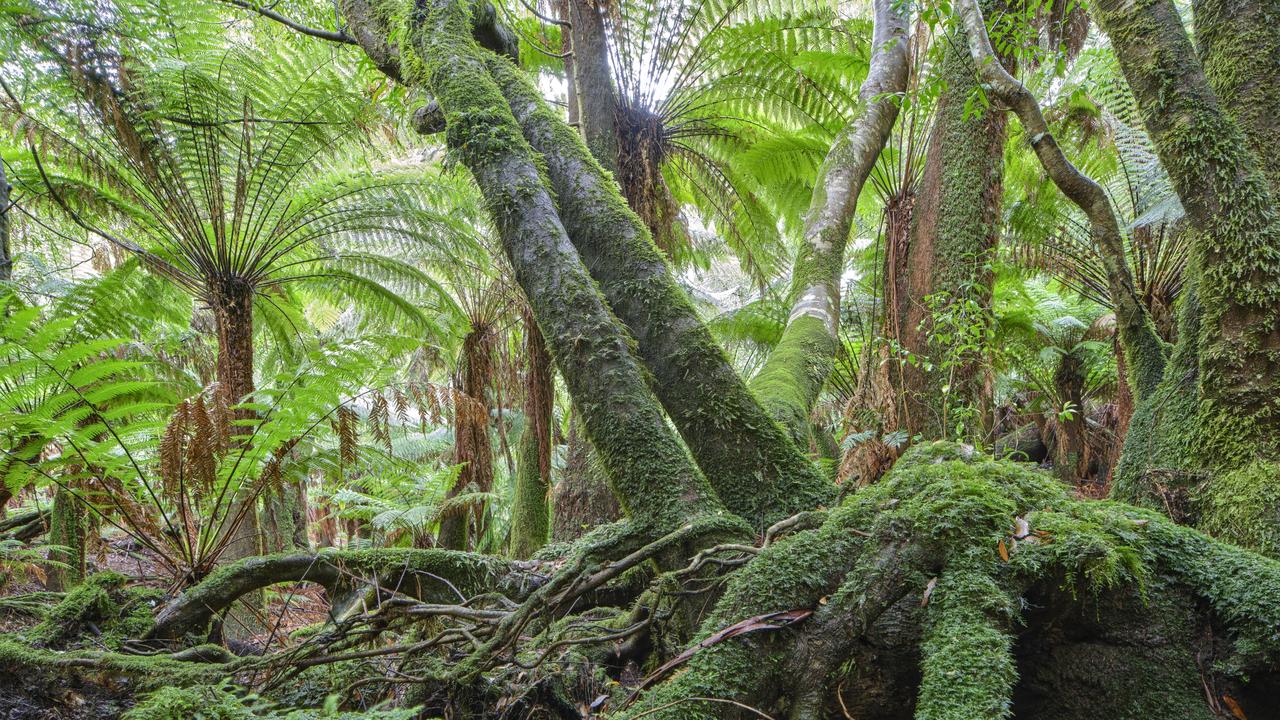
(1243, 507)
(990, 532)
(222, 702)
(101, 605)
(968, 664)
(197, 703)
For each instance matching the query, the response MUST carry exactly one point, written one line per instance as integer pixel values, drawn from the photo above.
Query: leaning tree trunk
(651, 474)
(530, 513)
(760, 475)
(794, 373)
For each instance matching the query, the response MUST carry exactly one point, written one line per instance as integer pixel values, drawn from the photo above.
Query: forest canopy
(666, 359)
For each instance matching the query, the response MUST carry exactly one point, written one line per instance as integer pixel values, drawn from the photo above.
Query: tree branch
(337, 36)
(1142, 346)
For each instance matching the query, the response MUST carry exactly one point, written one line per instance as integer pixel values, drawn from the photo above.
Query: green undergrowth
(222, 702)
(987, 531)
(102, 607)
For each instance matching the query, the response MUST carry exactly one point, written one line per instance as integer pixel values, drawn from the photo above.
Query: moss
(102, 606)
(651, 473)
(1239, 45)
(1243, 507)
(68, 524)
(965, 512)
(140, 672)
(531, 509)
(794, 374)
(1236, 228)
(754, 466)
(967, 660)
(225, 702)
(202, 703)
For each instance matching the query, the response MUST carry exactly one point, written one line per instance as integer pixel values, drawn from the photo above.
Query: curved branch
(429, 575)
(337, 36)
(1142, 347)
(795, 371)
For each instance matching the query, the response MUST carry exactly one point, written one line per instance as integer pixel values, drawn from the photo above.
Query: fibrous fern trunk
(6, 254)
(232, 304)
(472, 446)
(530, 513)
(68, 525)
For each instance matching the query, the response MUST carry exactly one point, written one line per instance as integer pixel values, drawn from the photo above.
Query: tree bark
(753, 466)
(1236, 250)
(241, 534)
(1239, 44)
(530, 513)
(944, 299)
(593, 82)
(792, 377)
(653, 477)
(6, 253)
(1143, 351)
(472, 445)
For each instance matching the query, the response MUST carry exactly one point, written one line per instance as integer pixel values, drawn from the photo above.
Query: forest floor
(289, 607)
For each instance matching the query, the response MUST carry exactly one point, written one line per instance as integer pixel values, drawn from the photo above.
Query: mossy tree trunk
(943, 305)
(1238, 42)
(6, 274)
(593, 89)
(68, 525)
(6, 251)
(759, 473)
(650, 471)
(582, 499)
(795, 371)
(530, 513)
(1215, 409)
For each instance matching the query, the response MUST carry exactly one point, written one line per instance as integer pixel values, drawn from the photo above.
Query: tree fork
(1236, 252)
(651, 473)
(752, 465)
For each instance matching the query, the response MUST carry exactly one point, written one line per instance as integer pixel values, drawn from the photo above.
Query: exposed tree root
(957, 546)
(959, 587)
